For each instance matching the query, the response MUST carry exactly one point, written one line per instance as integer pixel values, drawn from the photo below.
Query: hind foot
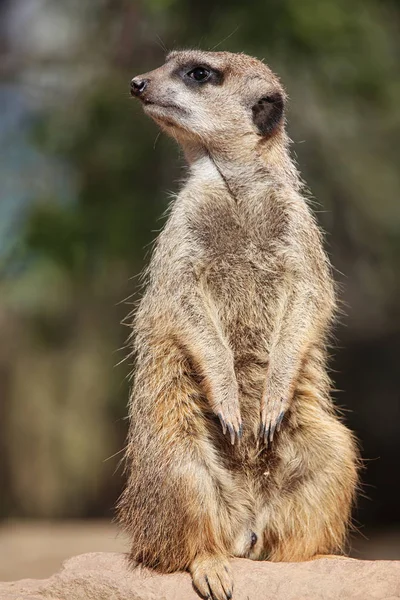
(212, 577)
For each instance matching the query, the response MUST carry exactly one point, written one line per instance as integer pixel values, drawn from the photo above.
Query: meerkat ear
(268, 113)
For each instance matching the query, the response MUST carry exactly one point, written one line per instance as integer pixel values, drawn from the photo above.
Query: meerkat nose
(138, 86)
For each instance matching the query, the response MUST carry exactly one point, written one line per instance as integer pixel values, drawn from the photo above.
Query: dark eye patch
(186, 73)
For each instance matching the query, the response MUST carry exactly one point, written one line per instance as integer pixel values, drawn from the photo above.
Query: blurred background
(84, 180)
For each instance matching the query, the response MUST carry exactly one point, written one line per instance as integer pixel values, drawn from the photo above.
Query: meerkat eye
(199, 74)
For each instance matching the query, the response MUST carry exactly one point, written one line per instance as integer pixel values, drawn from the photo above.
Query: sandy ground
(37, 549)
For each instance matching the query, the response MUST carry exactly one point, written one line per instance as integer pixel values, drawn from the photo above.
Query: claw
(232, 433)
(271, 433)
(223, 423)
(235, 433)
(266, 434)
(209, 587)
(271, 421)
(279, 421)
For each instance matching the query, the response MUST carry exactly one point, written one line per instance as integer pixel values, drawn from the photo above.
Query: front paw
(272, 413)
(228, 412)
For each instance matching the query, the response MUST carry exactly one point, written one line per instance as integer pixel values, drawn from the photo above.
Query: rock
(108, 576)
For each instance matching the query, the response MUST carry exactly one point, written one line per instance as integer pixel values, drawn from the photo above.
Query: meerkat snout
(138, 86)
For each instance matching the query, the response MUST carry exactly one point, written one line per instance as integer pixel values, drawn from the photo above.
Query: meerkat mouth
(150, 104)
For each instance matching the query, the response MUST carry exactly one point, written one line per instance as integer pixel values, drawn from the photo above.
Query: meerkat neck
(246, 169)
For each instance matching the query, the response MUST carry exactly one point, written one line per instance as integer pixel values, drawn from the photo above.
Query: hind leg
(314, 487)
(212, 530)
(178, 517)
(181, 508)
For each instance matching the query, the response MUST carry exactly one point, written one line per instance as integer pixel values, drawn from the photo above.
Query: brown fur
(234, 322)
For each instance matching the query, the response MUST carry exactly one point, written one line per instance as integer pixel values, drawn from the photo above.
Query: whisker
(156, 140)
(116, 454)
(161, 44)
(224, 40)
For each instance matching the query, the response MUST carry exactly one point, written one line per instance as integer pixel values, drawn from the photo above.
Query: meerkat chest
(239, 246)
(240, 270)
(237, 250)
(225, 231)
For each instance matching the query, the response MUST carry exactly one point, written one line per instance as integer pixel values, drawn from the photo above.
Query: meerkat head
(212, 97)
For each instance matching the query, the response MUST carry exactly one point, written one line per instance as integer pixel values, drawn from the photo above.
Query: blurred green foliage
(64, 401)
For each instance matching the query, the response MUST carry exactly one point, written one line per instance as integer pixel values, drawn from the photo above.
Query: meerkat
(234, 447)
